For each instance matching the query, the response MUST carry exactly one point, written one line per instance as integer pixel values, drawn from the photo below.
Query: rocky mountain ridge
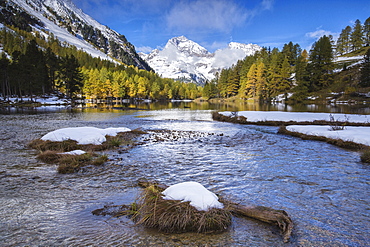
(69, 24)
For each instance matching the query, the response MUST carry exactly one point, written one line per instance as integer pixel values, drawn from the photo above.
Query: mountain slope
(185, 60)
(70, 24)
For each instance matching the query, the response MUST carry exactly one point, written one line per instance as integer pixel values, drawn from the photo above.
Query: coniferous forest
(32, 64)
(272, 72)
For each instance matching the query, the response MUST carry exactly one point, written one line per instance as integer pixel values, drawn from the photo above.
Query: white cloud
(223, 58)
(216, 45)
(199, 15)
(318, 33)
(267, 4)
(144, 49)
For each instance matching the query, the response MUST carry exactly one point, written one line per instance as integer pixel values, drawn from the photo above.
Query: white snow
(193, 192)
(83, 135)
(45, 100)
(339, 59)
(256, 116)
(75, 152)
(61, 33)
(350, 133)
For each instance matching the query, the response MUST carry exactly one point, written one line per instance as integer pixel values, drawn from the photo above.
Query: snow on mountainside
(70, 24)
(186, 60)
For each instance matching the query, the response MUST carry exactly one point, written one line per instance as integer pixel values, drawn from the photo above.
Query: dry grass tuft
(175, 216)
(64, 146)
(68, 163)
(365, 156)
(73, 163)
(50, 157)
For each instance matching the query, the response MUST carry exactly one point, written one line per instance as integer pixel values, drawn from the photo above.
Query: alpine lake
(324, 189)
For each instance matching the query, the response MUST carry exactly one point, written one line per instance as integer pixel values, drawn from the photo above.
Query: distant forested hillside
(273, 72)
(32, 65)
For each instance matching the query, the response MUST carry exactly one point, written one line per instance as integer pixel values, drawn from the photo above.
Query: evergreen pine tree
(320, 67)
(285, 72)
(365, 70)
(301, 74)
(4, 67)
(344, 42)
(53, 66)
(357, 36)
(71, 76)
(367, 32)
(291, 52)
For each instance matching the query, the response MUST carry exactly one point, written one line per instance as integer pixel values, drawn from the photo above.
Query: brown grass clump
(50, 157)
(64, 146)
(73, 163)
(100, 160)
(174, 216)
(365, 156)
(232, 119)
(68, 163)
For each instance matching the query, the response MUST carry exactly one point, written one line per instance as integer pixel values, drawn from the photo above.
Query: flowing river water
(325, 189)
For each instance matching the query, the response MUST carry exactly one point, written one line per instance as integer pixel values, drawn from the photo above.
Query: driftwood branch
(265, 214)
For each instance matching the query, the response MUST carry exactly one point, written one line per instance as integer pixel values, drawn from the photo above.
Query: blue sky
(149, 24)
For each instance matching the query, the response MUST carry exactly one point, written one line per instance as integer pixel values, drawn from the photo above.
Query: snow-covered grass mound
(73, 148)
(180, 209)
(83, 135)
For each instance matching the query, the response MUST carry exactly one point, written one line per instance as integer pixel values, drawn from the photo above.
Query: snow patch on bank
(257, 116)
(83, 135)
(359, 135)
(193, 192)
(75, 152)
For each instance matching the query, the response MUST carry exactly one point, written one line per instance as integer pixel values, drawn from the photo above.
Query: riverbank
(351, 131)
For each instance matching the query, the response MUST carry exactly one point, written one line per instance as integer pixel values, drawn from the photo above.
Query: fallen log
(265, 214)
(261, 213)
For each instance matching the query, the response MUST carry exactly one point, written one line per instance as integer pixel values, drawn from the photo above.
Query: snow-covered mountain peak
(186, 60)
(186, 46)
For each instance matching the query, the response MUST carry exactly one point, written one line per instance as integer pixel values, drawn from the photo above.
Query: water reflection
(117, 107)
